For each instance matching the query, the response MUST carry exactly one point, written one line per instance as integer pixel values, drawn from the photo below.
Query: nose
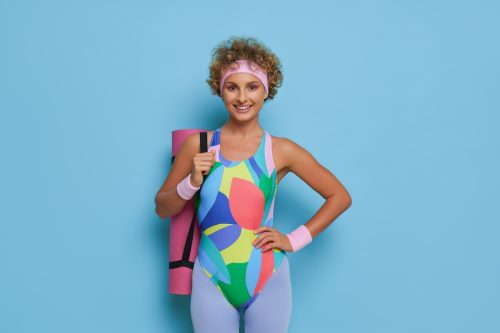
(242, 96)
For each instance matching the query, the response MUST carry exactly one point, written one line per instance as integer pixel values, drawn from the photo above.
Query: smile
(243, 108)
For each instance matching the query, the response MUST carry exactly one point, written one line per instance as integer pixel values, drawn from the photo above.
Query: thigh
(210, 311)
(271, 310)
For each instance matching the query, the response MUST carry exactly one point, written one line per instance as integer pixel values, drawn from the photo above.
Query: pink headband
(244, 66)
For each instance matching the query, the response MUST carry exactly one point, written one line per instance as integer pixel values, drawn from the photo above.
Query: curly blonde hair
(239, 48)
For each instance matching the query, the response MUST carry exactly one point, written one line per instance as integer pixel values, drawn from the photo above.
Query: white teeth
(242, 108)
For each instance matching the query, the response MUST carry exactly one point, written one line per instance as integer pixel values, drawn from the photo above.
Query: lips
(243, 108)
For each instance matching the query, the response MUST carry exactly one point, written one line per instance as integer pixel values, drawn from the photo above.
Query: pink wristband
(185, 189)
(299, 238)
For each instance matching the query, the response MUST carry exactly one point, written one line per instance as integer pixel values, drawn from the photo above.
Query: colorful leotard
(236, 198)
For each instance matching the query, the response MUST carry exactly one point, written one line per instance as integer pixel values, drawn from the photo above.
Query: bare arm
(168, 202)
(306, 167)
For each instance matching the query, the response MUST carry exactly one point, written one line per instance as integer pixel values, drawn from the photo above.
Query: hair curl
(240, 48)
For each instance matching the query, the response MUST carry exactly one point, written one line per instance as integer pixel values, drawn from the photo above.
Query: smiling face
(243, 95)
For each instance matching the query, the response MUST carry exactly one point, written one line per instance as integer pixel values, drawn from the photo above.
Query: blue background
(399, 99)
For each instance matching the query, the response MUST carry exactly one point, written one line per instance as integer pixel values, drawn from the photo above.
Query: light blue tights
(269, 313)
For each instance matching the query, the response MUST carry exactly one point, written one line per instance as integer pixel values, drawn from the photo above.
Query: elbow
(160, 213)
(347, 200)
(160, 209)
(348, 204)
(165, 208)
(343, 199)
(164, 213)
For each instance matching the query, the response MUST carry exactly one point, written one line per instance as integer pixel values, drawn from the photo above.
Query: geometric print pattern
(236, 198)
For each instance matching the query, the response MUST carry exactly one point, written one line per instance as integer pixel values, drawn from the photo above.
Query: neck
(242, 130)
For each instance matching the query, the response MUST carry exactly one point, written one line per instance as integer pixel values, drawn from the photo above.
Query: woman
(242, 263)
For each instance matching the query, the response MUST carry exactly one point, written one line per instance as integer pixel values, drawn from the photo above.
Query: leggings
(269, 313)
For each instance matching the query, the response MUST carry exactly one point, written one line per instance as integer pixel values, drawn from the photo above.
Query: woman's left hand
(269, 238)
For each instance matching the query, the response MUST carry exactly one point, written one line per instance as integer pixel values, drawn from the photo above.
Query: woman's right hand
(202, 163)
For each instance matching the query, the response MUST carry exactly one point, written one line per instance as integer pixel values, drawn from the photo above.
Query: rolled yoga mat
(184, 233)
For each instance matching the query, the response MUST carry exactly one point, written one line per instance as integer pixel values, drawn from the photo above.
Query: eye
(231, 87)
(254, 87)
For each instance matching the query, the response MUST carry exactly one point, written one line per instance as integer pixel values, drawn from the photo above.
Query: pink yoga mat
(179, 278)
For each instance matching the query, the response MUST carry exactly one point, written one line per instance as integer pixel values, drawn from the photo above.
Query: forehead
(242, 78)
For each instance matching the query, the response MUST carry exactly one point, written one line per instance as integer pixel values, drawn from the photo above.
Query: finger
(264, 235)
(258, 241)
(204, 157)
(210, 155)
(269, 246)
(205, 164)
(262, 229)
(205, 171)
(264, 240)
(258, 230)
(203, 168)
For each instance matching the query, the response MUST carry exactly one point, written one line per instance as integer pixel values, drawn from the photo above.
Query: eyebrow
(247, 83)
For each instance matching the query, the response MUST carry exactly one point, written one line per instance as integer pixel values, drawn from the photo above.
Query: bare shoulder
(192, 142)
(287, 152)
(298, 160)
(183, 160)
